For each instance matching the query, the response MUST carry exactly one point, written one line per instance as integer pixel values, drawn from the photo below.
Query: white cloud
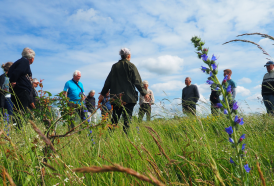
(163, 64)
(168, 86)
(242, 91)
(256, 97)
(245, 80)
(257, 87)
(89, 15)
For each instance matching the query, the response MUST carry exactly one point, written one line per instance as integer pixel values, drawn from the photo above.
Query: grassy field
(180, 151)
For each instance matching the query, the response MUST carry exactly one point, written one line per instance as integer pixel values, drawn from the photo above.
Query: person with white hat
(145, 106)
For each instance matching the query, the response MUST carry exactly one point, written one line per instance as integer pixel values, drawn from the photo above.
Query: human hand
(13, 84)
(147, 98)
(101, 97)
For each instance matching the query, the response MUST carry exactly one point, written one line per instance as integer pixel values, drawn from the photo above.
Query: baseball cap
(269, 63)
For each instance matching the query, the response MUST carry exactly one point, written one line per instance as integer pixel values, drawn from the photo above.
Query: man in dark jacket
(268, 88)
(123, 78)
(190, 96)
(20, 78)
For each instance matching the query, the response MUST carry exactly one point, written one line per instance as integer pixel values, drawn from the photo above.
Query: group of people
(118, 95)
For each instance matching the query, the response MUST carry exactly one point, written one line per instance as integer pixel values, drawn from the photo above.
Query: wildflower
(243, 146)
(241, 138)
(235, 106)
(217, 89)
(238, 120)
(225, 111)
(204, 57)
(219, 105)
(247, 169)
(231, 140)
(85, 110)
(84, 117)
(231, 160)
(214, 59)
(210, 74)
(204, 69)
(225, 78)
(66, 180)
(90, 131)
(228, 89)
(210, 82)
(93, 142)
(229, 130)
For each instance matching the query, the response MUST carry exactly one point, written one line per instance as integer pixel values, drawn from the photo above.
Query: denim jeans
(9, 105)
(269, 103)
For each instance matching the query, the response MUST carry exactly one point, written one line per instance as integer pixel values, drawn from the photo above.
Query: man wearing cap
(268, 87)
(145, 106)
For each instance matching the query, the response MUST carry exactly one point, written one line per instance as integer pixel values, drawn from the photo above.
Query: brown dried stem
(257, 33)
(261, 174)
(118, 168)
(8, 177)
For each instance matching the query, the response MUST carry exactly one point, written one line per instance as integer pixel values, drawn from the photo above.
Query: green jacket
(124, 77)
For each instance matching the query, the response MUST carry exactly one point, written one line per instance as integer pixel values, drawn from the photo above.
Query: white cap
(145, 82)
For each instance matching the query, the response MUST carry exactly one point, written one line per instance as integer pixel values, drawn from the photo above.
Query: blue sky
(87, 36)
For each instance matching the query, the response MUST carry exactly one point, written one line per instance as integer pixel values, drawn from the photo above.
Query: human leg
(141, 113)
(148, 111)
(269, 103)
(127, 115)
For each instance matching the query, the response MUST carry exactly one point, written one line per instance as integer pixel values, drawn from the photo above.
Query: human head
(35, 82)
(91, 93)
(107, 94)
(269, 66)
(145, 83)
(29, 54)
(125, 53)
(76, 75)
(228, 72)
(7, 66)
(188, 81)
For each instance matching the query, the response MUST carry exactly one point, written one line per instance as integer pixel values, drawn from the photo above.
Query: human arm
(21, 69)
(106, 86)
(137, 81)
(234, 92)
(152, 97)
(196, 94)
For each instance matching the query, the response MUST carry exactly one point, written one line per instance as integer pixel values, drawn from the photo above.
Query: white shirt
(151, 95)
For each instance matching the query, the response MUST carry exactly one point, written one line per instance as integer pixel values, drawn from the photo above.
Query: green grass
(191, 147)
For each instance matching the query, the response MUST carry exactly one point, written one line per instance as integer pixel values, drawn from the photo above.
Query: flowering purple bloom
(204, 57)
(93, 142)
(90, 131)
(204, 69)
(231, 160)
(228, 89)
(243, 146)
(219, 105)
(241, 138)
(235, 106)
(210, 82)
(238, 120)
(231, 140)
(225, 111)
(247, 169)
(210, 74)
(229, 130)
(217, 88)
(214, 66)
(84, 117)
(85, 110)
(91, 139)
(213, 58)
(225, 78)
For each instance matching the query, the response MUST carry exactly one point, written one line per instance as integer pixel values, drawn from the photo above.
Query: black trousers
(21, 100)
(145, 108)
(81, 113)
(126, 112)
(214, 109)
(189, 109)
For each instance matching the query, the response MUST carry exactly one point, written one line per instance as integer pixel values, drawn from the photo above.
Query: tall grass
(179, 151)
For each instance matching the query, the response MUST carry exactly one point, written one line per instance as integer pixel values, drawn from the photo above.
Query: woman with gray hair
(123, 78)
(33, 94)
(5, 96)
(20, 77)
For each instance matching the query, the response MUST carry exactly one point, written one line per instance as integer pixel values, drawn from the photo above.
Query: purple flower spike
(231, 140)
(225, 111)
(214, 66)
(217, 88)
(210, 82)
(210, 74)
(231, 160)
(235, 106)
(247, 169)
(243, 147)
(213, 58)
(228, 89)
(229, 130)
(204, 57)
(241, 138)
(90, 131)
(204, 68)
(238, 120)
(219, 105)
(225, 78)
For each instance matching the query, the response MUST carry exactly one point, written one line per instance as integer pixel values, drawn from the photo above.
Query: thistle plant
(228, 106)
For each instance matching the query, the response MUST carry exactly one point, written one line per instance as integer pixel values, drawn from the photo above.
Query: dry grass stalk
(7, 138)
(257, 33)
(151, 129)
(49, 166)
(159, 146)
(137, 150)
(8, 177)
(204, 181)
(118, 168)
(142, 147)
(44, 138)
(156, 170)
(261, 174)
(129, 153)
